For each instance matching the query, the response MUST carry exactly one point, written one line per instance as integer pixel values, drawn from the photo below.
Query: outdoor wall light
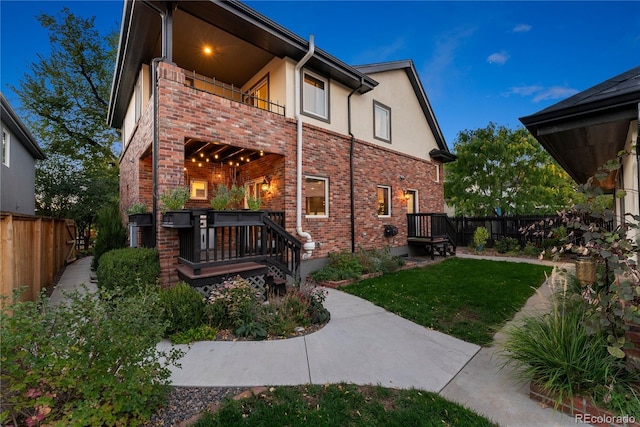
(266, 184)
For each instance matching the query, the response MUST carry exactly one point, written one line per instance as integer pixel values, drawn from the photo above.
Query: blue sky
(479, 61)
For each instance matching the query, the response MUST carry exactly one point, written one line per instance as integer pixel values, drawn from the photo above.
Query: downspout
(154, 95)
(309, 245)
(351, 177)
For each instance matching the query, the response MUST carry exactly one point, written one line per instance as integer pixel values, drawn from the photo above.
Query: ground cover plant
(342, 405)
(347, 265)
(467, 298)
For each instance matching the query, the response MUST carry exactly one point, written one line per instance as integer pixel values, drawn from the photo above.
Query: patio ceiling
(197, 151)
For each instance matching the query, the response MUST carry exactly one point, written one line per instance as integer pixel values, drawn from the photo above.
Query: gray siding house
(18, 163)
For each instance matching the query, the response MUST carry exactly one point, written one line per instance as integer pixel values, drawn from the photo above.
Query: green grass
(343, 405)
(467, 298)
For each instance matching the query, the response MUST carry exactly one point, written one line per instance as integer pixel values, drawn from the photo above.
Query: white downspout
(309, 245)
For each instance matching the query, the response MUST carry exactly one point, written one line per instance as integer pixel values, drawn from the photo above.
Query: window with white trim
(381, 122)
(315, 95)
(5, 147)
(316, 194)
(384, 200)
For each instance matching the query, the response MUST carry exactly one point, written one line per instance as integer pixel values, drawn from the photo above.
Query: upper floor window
(5, 147)
(384, 200)
(315, 96)
(316, 192)
(381, 122)
(258, 95)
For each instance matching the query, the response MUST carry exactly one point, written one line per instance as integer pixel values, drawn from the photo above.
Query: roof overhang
(263, 39)
(13, 122)
(590, 128)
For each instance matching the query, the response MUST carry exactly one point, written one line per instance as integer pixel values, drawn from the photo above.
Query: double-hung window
(384, 200)
(315, 96)
(381, 122)
(316, 192)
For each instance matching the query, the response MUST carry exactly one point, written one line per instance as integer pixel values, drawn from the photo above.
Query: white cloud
(541, 93)
(521, 28)
(554, 92)
(499, 58)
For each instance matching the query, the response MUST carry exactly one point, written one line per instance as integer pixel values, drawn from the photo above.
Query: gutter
(351, 177)
(309, 245)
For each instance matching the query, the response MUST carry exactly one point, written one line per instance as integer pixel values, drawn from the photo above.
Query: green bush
(531, 249)
(200, 333)
(480, 238)
(183, 308)
(507, 245)
(342, 265)
(236, 303)
(111, 234)
(379, 261)
(558, 352)
(86, 363)
(128, 270)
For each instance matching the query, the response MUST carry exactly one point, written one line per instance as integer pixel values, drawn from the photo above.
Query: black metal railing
(229, 91)
(225, 237)
(431, 226)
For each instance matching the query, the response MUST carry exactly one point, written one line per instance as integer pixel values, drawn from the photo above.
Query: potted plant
(173, 201)
(237, 196)
(480, 237)
(139, 215)
(254, 203)
(221, 198)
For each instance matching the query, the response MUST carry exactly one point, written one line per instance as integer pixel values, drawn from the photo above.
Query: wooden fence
(33, 250)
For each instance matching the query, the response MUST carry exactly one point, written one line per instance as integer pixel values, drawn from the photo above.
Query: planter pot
(233, 218)
(586, 271)
(141, 220)
(177, 219)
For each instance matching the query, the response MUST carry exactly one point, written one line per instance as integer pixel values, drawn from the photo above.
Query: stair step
(218, 273)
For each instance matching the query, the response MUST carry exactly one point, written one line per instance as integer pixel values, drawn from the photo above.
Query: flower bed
(583, 409)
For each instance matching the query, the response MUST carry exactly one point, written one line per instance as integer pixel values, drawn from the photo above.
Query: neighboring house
(19, 154)
(590, 128)
(339, 155)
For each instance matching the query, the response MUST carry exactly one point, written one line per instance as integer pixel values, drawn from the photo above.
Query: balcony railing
(229, 91)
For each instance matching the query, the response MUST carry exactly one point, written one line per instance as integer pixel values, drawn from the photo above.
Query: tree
(504, 172)
(65, 96)
(67, 93)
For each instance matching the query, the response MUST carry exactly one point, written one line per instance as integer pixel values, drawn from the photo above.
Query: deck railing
(226, 237)
(431, 225)
(229, 91)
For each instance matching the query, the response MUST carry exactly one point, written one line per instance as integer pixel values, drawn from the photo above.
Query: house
(208, 93)
(18, 171)
(591, 127)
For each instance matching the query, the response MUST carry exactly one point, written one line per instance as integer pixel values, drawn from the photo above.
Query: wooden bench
(431, 244)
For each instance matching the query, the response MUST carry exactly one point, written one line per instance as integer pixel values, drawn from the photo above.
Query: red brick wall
(188, 113)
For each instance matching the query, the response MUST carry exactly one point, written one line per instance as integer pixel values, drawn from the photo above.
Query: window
(381, 122)
(315, 96)
(138, 99)
(384, 201)
(437, 172)
(316, 191)
(5, 147)
(411, 197)
(198, 190)
(258, 95)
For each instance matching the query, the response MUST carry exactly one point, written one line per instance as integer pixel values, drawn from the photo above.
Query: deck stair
(434, 232)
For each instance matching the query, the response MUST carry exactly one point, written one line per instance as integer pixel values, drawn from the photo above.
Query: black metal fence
(523, 228)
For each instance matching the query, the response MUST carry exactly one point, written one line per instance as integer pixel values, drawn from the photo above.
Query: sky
(479, 61)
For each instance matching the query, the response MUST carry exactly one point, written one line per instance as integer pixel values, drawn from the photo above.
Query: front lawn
(342, 405)
(467, 298)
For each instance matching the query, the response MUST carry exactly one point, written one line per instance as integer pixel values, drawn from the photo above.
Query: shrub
(174, 198)
(374, 261)
(342, 265)
(183, 308)
(128, 270)
(200, 333)
(111, 234)
(558, 352)
(88, 362)
(238, 300)
(530, 249)
(507, 245)
(480, 237)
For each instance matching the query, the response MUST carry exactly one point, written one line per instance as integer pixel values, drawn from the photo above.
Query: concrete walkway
(363, 344)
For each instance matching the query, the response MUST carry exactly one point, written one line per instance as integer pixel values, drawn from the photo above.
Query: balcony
(229, 91)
